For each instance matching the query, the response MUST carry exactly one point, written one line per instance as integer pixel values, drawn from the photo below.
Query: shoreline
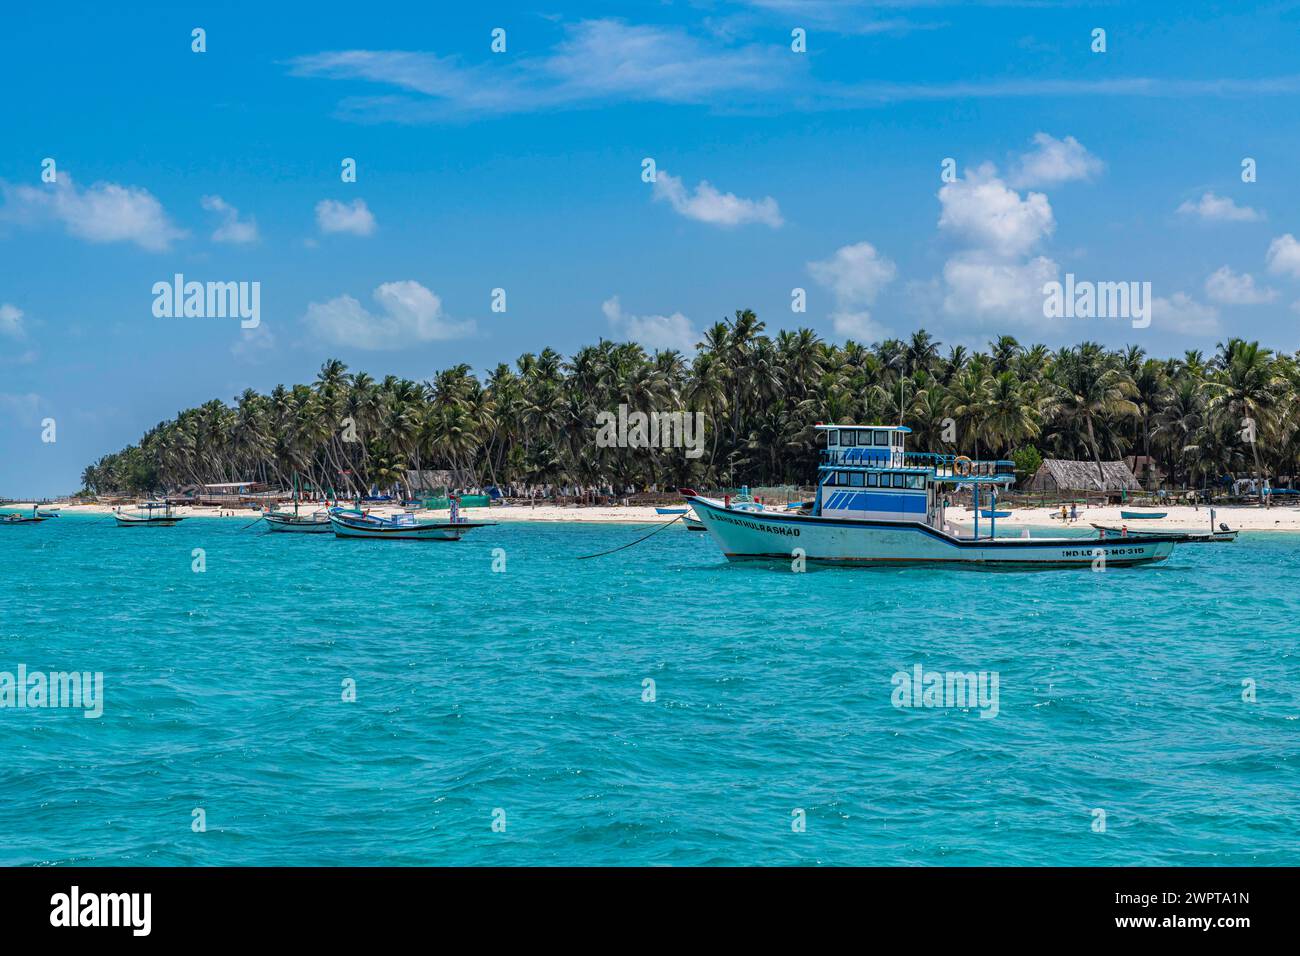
(1180, 517)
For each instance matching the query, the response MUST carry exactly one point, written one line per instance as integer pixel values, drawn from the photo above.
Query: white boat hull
(431, 531)
(301, 525)
(772, 535)
(128, 521)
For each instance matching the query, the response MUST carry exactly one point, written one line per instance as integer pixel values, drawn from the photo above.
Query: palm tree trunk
(1096, 454)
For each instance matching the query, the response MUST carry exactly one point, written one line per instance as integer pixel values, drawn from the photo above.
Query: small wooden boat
(52, 513)
(693, 523)
(671, 511)
(154, 513)
(1222, 536)
(318, 522)
(348, 523)
(1138, 515)
(315, 523)
(987, 513)
(20, 519)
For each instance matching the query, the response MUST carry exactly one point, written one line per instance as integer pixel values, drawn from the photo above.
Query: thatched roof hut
(1058, 475)
(428, 481)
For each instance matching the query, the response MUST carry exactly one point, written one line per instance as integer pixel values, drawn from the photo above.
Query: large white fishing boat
(877, 503)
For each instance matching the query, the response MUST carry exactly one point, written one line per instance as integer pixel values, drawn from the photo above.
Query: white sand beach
(570, 513)
(1180, 517)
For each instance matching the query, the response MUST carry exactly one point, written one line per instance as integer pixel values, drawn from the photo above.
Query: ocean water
(517, 697)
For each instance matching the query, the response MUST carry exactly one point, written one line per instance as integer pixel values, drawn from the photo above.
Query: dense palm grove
(534, 424)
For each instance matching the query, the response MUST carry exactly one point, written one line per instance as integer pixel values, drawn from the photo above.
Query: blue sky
(522, 170)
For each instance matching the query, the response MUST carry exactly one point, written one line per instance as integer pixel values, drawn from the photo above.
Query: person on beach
(1074, 511)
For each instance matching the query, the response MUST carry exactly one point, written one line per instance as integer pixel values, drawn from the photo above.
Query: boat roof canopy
(879, 428)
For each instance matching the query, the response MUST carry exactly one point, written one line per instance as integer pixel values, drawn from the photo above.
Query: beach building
(1057, 475)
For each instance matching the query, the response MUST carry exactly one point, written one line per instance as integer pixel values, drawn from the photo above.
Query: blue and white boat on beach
(877, 503)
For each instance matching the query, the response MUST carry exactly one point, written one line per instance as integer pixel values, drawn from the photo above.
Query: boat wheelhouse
(876, 502)
(867, 472)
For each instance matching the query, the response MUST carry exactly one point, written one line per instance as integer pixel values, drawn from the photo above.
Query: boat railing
(959, 466)
(880, 457)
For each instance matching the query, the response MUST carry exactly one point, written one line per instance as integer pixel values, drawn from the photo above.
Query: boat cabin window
(916, 482)
(872, 480)
(833, 438)
(855, 479)
(882, 439)
(841, 478)
(900, 481)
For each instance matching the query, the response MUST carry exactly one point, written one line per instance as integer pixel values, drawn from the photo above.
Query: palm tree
(1090, 389)
(534, 420)
(1245, 390)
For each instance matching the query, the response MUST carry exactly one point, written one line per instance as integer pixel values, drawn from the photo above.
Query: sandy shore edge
(1180, 518)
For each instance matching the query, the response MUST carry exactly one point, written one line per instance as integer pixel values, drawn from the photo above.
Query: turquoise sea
(517, 697)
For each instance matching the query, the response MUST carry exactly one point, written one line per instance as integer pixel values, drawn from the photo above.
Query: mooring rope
(584, 557)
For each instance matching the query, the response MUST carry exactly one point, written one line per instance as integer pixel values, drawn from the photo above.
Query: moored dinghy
(1222, 536)
(318, 522)
(153, 513)
(14, 517)
(348, 523)
(878, 504)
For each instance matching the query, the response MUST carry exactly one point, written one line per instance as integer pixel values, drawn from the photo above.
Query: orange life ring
(957, 465)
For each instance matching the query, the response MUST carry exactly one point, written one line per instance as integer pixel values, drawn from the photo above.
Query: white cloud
(1214, 208)
(858, 326)
(1229, 288)
(22, 409)
(983, 287)
(410, 313)
(846, 17)
(254, 344)
(985, 212)
(1056, 161)
(607, 60)
(706, 204)
(598, 61)
(994, 277)
(11, 321)
(855, 275)
(354, 218)
(232, 228)
(103, 212)
(1181, 313)
(653, 331)
(1283, 256)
